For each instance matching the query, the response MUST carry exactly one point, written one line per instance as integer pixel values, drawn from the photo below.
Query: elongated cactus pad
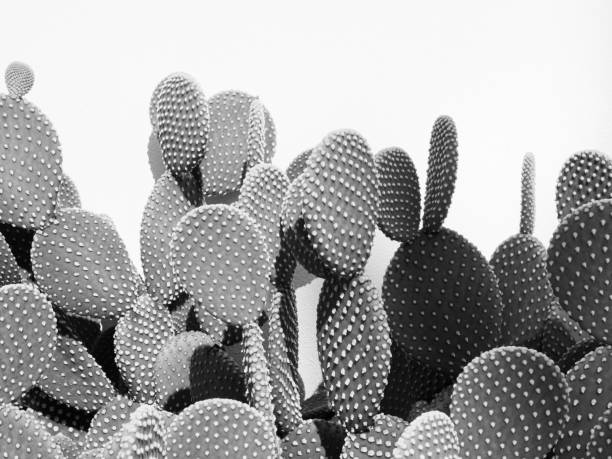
(586, 177)
(590, 384)
(28, 335)
(399, 214)
(165, 207)
(355, 359)
(520, 266)
(82, 264)
(441, 173)
(24, 437)
(443, 300)
(239, 292)
(489, 400)
(527, 222)
(31, 159)
(227, 427)
(580, 269)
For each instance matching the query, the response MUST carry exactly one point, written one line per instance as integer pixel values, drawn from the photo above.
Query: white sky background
(516, 76)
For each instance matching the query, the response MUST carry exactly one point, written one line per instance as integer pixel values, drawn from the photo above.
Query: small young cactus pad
(19, 79)
(431, 435)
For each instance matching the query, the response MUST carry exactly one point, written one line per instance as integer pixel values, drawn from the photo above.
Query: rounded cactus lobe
(409, 381)
(225, 243)
(20, 242)
(165, 207)
(73, 377)
(399, 214)
(590, 394)
(19, 79)
(10, 272)
(143, 437)
(430, 435)
(28, 335)
(580, 268)
(231, 137)
(261, 197)
(443, 301)
(340, 203)
(68, 195)
(298, 164)
(31, 164)
(23, 436)
(108, 421)
(183, 124)
(441, 173)
(227, 427)
(354, 349)
(489, 403)
(560, 333)
(316, 439)
(214, 374)
(600, 441)
(56, 411)
(139, 337)
(173, 368)
(82, 264)
(527, 222)
(377, 442)
(520, 266)
(586, 177)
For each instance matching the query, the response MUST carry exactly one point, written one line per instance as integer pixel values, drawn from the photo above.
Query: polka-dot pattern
(577, 352)
(28, 335)
(399, 214)
(256, 136)
(108, 421)
(443, 301)
(520, 266)
(377, 442)
(600, 441)
(580, 267)
(183, 124)
(10, 273)
(20, 242)
(143, 437)
(227, 152)
(509, 402)
(441, 173)
(219, 256)
(354, 349)
(559, 333)
(19, 79)
(82, 264)
(527, 222)
(590, 384)
(68, 195)
(431, 435)
(586, 177)
(220, 428)
(165, 207)
(316, 439)
(74, 377)
(298, 164)
(30, 164)
(139, 337)
(24, 437)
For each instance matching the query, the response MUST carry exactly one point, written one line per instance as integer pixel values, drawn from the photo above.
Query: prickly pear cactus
(430, 435)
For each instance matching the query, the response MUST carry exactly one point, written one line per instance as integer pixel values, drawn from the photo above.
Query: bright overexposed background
(516, 76)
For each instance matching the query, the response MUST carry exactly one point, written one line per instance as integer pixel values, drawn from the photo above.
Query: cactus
(431, 435)
(316, 439)
(143, 437)
(377, 442)
(527, 221)
(68, 195)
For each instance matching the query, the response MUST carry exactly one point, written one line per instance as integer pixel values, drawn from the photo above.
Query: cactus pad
(24, 437)
(527, 195)
(316, 439)
(143, 437)
(19, 79)
(430, 435)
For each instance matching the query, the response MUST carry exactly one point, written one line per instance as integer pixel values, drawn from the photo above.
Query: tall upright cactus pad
(256, 136)
(520, 266)
(23, 436)
(355, 359)
(183, 124)
(586, 177)
(227, 153)
(527, 222)
(443, 300)
(580, 268)
(590, 384)
(139, 337)
(430, 435)
(165, 207)
(441, 173)
(241, 285)
(490, 398)
(227, 427)
(31, 159)
(28, 335)
(399, 213)
(143, 437)
(82, 264)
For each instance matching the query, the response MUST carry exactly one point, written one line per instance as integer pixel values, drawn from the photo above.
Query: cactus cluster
(456, 357)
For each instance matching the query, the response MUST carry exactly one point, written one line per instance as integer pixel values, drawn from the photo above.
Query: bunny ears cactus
(455, 357)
